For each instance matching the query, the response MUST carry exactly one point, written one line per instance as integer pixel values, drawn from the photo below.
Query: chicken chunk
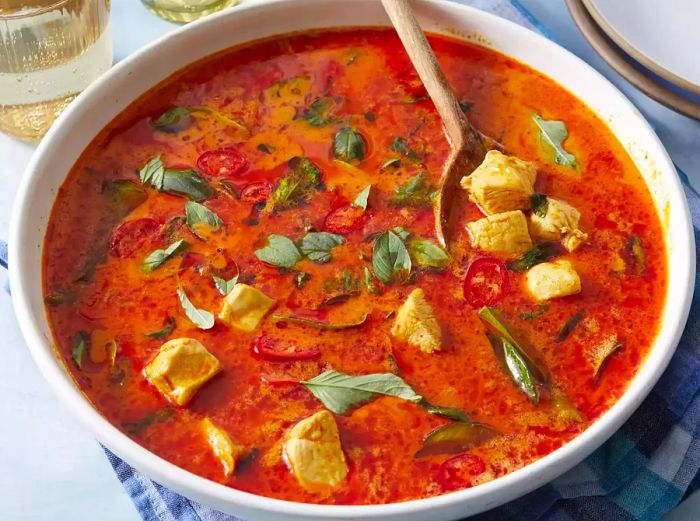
(553, 279)
(244, 307)
(504, 232)
(559, 223)
(180, 368)
(224, 448)
(313, 452)
(416, 323)
(501, 183)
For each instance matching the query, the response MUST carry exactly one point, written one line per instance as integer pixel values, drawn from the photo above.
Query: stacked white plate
(654, 45)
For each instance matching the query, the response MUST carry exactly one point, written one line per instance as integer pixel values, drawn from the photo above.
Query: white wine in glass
(50, 50)
(183, 11)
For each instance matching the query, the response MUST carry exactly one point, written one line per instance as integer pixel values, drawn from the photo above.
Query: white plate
(661, 35)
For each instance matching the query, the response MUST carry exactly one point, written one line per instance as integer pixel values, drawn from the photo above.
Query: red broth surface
(94, 282)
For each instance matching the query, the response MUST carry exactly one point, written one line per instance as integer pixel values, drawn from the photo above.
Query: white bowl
(112, 93)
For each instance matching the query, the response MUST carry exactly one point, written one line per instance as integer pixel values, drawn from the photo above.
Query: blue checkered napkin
(641, 473)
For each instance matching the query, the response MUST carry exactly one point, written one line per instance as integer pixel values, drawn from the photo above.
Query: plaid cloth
(641, 473)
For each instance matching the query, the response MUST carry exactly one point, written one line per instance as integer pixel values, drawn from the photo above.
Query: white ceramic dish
(115, 91)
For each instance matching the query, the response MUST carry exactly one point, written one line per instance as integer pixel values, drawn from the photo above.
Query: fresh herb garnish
(539, 204)
(344, 283)
(81, 341)
(390, 258)
(531, 315)
(536, 255)
(569, 326)
(265, 148)
(349, 145)
(428, 254)
(201, 318)
(280, 251)
(554, 133)
(224, 286)
(369, 282)
(56, 299)
(295, 187)
(153, 173)
(176, 119)
(320, 112)
(391, 163)
(199, 218)
(635, 257)
(400, 146)
(229, 189)
(123, 196)
(341, 393)
(402, 232)
(415, 192)
(159, 257)
(158, 416)
(455, 438)
(188, 183)
(361, 199)
(165, 331)
(453, 413)
(301, 278)
(600, 354)
(519, 370)
(317, 246)
(319, 324)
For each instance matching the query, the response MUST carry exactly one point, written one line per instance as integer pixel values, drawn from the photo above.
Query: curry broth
(380, 95)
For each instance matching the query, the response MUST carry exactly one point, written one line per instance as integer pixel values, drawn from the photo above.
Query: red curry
(327, 142)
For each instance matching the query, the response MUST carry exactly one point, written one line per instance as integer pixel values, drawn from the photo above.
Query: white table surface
(50, 469)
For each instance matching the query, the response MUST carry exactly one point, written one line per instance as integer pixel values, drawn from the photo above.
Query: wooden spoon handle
(428, 68)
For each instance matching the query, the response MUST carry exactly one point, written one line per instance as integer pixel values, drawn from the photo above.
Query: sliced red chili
(131, 236)
(266, 349)
(256, 192)
(486, 283)
(344, 219)
(460, 471)
(222, 162)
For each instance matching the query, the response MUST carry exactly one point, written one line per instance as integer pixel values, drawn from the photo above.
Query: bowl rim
(485, 496)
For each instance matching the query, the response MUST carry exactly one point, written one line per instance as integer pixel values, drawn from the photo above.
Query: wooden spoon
(468, 148)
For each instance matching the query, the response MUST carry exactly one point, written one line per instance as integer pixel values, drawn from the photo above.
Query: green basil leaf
(159, 257)
(280, 251)
(349, 145)
(176, 119)
(265, 148)
(165, 331)
(197, 216)
(390, 258)
(317, 245)
(455, 438)
(531, 315)
(81, 341)
(320, 112)
(361, 199)
(520, 371)
(554, 133)
(344, 283)
(427, 253)
(123, 197)
(188, 183)
(402, 232)
(369, 282)
(536, 255)
(341, 393)
(201, 318)
(453, 413)
(400, 146)
(224, 286)
(393, 163)
(153, 173)
(158, 416)
(320, 325)
(599, 355)
(569, 326)
(416, 192)
(296, 186)
(539, 203)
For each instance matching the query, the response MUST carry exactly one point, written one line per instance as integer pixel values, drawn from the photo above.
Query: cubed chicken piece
(224, 448)
(559, 223)
(312, 450)
(553, 279)
(504, 233)
(416, 323)
(501, 183)
(244, 307)
(180, 368)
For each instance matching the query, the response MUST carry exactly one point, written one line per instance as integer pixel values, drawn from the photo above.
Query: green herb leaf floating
(349, 145)
(280, 251)
(634, 256)
(599, 355)
(519, 370)
(297, 184)
(123, 196)
(265, 148)
(453, 413)
(569, 326)
(362, 198)
(369, 282)
(402, 232)
(400, 146)
(158, 416)
(317, 246)
(57, 299)
(201, 318)
(565, 410)
(341, 393)
(199, 218)
(176, 119)
(188, 183)
(320, 112)
(536, 255)
(390, 258)
(81, 341)
(153, 173)
(416, 192)
(393, 163)
(455, 438)
(318, 324)
(539, 205)
(159, 257)
(428, 254)
(531, 315)
(224, 286)
(163, 333)
(301, 278)
(554, 133)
